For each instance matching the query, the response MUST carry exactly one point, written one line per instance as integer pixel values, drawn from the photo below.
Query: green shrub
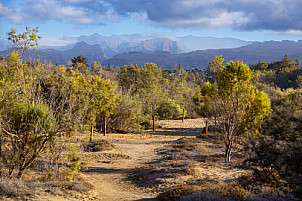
(168, 110)
(127, 116)
(31, 130)
(74, 166)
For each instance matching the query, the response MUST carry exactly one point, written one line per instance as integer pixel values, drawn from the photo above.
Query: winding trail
(108, 171)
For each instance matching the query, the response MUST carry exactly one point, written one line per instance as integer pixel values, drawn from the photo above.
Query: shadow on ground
(104, 170)
(176, 131)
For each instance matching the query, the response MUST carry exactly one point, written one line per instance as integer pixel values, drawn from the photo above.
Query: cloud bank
(275, 15)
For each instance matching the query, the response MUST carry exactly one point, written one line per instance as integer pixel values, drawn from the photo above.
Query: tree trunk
(105, 125)
(91, 134)
(228, 149)
(20, 173)
(153, 122)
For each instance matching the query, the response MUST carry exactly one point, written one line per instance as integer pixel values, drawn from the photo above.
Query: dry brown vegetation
(174, 162)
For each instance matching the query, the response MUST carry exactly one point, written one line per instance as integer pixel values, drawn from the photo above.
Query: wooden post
(206, 126)
(183, 115)
(153, 122)
(105, 122)
(91, 134)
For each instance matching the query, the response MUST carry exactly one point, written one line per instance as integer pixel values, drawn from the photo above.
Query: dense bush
(168, 110)
(39, 101)
(29, 130)
(158, 92)
(128, 115)
(276, 155)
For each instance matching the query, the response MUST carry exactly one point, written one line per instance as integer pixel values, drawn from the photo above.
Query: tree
(29, 131)
(285, 65)
(261, 66)
(79, 63)
(23, 41)
(232, 102)
(27, 124)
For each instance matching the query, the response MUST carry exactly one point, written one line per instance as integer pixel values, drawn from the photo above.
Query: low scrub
(207, 191)
(24, 190)
(177, 192)
(233, 190)
(99, 145)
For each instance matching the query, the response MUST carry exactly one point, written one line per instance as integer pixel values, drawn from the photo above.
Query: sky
(251, 20)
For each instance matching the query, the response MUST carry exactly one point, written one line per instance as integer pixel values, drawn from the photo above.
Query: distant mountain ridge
(119, 44)
(140, 49)
(98, 48)
(91, 52)
(270, 51)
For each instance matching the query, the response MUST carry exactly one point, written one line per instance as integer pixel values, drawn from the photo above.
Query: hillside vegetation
(50, 114)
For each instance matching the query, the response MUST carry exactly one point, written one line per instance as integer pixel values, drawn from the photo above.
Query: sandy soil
(140, 155)
(143, 165)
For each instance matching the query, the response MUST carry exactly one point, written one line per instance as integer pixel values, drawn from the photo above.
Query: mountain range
(166, 50)
(270, 51)
(119, 44)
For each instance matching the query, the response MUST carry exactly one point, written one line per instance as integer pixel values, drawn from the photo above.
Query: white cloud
(237, 14)
(277, 15)
(75, 11)
(289, 32)
(13, 14)
(212, 19)
(55, 42)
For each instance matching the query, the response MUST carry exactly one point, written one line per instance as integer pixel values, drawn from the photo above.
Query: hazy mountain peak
(118, 44)
(269, 51)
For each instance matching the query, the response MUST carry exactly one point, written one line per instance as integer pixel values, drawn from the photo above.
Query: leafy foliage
(80, 63)
(283, 74)
(275, 156)
(168, 110)
(159, 92)
(39, 101)
(232, 102)
(23, 41)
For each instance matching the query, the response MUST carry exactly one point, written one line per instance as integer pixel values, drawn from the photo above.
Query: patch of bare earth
(143, 165)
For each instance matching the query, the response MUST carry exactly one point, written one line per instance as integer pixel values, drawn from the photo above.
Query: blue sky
(252, 20)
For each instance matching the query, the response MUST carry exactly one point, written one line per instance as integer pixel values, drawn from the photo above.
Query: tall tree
(233, 102)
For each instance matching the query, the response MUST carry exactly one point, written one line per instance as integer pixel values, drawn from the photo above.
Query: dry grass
(215, 137)
(178, 166)
(15, 188)
(23, 190)
(177, 192)
(213, 160)
(224, 191)
(188, 123)
(99, 145)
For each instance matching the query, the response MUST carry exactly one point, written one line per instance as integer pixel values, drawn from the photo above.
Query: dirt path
(109, 171)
